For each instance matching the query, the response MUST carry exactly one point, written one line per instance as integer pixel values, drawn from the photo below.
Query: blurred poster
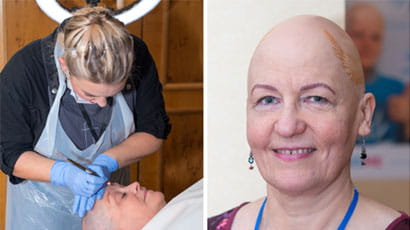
(386, 161)
(380, 30)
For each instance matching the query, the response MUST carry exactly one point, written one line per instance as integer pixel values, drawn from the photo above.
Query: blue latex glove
(105, 165)
(79, 182)
(107, 161)
(84, 204)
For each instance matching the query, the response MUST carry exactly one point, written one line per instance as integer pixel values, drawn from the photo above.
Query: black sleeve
(23, 106)
(148, 108)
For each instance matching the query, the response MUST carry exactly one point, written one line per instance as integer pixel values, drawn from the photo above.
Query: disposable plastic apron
(39, 205)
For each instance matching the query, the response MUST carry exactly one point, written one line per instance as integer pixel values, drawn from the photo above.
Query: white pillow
(184, 211)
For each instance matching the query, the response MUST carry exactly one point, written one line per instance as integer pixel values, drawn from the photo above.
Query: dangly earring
(363, 154)
(251, 160)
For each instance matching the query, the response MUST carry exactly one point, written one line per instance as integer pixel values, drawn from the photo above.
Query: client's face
(133, 202)
(129, 207)
(303, 105)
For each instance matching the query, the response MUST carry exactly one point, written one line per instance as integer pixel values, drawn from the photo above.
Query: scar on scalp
(343, 57)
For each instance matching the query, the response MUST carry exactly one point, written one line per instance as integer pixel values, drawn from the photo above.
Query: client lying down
(133, 207)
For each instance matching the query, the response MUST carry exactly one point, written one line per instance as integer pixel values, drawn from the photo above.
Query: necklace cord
(350, 211)
(258, 220)
(342, 224)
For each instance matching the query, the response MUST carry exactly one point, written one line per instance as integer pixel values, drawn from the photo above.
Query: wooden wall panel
(25, 22)
(149, 171)
(173, 33)
(182, 97)
(183, 158)
(185, 41)
(153, 33)
(149, 168)
(183, 100)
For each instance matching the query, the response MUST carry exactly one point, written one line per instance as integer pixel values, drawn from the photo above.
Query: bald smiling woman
(306, 106)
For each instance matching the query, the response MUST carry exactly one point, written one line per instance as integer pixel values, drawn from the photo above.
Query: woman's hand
(78, 181)
(106, 161)
(103, 165)
(84, 204)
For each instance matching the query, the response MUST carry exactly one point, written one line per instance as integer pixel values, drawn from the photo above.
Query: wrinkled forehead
(309, 42)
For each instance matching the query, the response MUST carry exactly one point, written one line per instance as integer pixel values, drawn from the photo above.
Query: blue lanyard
(342, 224)
(258, 220)
(350, 211)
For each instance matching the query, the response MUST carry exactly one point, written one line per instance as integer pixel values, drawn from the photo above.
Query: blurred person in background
(365, 25)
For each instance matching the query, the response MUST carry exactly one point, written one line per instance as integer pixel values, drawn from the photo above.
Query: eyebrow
(303, 88)
(262, 86)
(317, 85)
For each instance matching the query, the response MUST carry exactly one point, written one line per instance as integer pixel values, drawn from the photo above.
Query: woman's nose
(289, 122)
(133, 188)
(368, 42)
(100, 101)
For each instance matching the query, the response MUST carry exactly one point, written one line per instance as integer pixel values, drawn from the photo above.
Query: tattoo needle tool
(87, 170)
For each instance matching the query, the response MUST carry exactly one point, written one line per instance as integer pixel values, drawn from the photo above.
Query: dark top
(224, 221)
(28, 85)
(75, 124)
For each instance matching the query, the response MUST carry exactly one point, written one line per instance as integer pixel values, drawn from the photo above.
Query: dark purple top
(224, 221)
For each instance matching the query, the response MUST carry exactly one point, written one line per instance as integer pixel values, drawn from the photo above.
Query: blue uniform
(383, 129)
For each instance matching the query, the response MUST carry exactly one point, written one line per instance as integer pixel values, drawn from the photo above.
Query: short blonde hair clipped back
(97, 46)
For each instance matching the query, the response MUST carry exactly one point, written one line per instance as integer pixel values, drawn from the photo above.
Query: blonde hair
(97, 47)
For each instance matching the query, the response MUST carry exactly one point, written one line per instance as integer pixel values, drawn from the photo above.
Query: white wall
(232, 29)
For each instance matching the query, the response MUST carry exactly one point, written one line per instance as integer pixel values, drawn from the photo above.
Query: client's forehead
(114, 185)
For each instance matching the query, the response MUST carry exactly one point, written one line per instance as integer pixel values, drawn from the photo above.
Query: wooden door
(173, 32)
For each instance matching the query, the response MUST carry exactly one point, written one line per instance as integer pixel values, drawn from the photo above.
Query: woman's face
(96, 93)
(301, 116)
(132, 205)
(366, 30)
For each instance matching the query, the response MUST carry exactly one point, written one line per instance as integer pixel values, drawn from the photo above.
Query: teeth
(296, 151)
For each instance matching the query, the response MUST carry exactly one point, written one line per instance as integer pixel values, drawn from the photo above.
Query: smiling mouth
(294, 151)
